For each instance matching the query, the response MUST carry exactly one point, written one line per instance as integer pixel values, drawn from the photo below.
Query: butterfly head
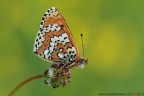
(83, 62)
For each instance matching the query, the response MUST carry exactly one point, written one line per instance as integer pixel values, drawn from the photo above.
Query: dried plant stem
(25, 82)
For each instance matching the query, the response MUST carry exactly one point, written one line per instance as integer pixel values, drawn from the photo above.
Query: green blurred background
(114, 35)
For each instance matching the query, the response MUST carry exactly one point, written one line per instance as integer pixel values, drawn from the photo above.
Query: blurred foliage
(114, 35)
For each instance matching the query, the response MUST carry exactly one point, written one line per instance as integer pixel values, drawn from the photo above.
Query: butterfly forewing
(54, 41)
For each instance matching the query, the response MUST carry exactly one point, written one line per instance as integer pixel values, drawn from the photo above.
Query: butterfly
(54, 41)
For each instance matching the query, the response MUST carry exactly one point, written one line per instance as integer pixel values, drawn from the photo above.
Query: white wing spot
(60, 50)
(66, 40)
(64, 35)
(60, 55)
(61, 38)
(53, 28)
(52, 39)
(52, 44)
(56, 38)
(46, 52)
(51, 49)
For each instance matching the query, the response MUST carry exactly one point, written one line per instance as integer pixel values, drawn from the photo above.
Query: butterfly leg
(74, 66)
(62, 67)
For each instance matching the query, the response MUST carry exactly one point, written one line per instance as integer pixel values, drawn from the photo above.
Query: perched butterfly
(54, 41)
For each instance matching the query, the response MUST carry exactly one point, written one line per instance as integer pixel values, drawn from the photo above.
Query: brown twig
(25, 82)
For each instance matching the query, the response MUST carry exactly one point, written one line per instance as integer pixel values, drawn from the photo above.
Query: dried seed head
(57, 76)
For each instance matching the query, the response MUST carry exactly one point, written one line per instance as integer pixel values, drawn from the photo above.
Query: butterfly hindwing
(54, 41)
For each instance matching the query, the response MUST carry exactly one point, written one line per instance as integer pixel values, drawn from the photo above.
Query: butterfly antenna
(83, 46)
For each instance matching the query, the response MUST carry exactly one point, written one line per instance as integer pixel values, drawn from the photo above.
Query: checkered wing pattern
(54, 41)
